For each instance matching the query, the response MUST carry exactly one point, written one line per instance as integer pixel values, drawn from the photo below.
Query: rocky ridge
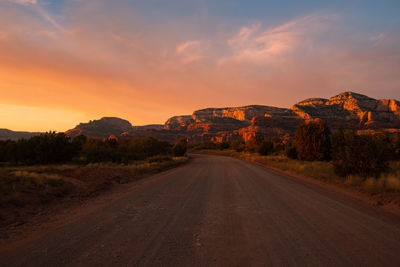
(348, 109)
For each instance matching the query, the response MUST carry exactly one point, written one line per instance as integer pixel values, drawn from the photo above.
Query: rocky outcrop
(102, 128)
(178, 122)
(267, 125)
(347, 109)
(246, 113)
(351, 110)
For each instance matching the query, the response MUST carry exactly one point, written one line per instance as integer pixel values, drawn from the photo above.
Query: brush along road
(219, 211)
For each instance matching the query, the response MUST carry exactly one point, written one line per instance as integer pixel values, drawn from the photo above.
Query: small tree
(290, 151)
(180, 148)
(312, 141)
(393, 144)
(278, 144)
(364, 155)
(253, 144)
(266, 147)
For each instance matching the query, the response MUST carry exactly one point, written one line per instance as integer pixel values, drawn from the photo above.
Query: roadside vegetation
(51, 167)
(368, 162)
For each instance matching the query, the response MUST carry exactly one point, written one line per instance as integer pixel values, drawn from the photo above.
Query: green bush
(290, 151)
(393, 143)
(265, 148)
(55, 148)
(238, 146)
(47, 148)
(312, 141)
(159, 158)
(180, 148)
(205, 145)
(364, 155)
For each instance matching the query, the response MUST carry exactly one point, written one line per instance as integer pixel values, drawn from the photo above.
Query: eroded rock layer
(348, 109)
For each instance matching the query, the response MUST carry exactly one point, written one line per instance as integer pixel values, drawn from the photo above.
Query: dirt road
(219, 211)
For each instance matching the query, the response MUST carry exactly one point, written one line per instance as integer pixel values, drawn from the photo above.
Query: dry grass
(387, 183)
(27, 190)
(21, 187)
(30, 185)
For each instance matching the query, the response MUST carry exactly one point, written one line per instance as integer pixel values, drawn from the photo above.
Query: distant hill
(6, 134)
(102, 128)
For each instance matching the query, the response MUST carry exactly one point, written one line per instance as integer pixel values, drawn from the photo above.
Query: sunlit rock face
(246, 113)
(348, 110)
(178, 122)
(351, 110)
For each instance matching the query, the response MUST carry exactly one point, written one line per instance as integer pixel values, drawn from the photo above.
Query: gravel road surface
(219, 211)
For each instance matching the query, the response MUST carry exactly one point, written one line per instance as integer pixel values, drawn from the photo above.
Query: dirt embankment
(26, 192)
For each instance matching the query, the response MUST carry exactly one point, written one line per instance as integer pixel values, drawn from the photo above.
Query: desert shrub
(353, 154)
(290, 151)
(148, 147)
(312, 141)
(238, 146)
(54, 148)
(26, 188)
(393, 143)
(223, 145)
(204, 146)
(278, 144)
(180, 148)
(159, 158)
(266, 147)
(8, 151)
(78, 142)
(139, 149)
(95, 150)
(253, 144)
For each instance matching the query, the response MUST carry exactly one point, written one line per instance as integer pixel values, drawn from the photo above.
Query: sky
(63, 62)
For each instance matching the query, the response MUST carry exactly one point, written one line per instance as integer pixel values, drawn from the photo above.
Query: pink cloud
(24, 2)
(253, 44)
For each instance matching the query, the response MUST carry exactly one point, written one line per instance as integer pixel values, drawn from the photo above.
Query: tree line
(54, 148)
(351, 153)
(348, 151)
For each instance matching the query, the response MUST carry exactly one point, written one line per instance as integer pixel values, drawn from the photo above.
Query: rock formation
(348, 109)
(102, 128)
(351, 110)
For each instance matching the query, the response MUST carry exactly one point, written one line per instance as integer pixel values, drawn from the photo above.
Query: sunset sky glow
(64, 62)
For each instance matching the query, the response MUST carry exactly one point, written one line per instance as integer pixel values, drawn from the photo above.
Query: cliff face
(347, 109)
(246, 113)
(178, 122)
(351, 110)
